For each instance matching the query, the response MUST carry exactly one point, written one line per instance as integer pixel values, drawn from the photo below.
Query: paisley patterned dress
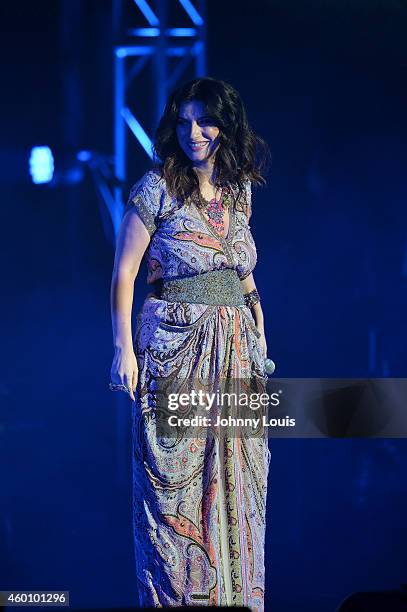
(198, 505)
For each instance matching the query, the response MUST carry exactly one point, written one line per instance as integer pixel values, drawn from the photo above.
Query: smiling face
(197, 135)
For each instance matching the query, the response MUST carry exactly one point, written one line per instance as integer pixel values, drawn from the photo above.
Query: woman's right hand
(124, 370)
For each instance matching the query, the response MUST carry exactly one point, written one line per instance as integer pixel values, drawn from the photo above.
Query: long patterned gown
(198, 505)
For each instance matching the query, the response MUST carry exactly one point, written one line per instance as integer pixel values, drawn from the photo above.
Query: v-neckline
(231, 226)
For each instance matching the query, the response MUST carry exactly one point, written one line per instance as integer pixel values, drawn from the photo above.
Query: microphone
(269, 366)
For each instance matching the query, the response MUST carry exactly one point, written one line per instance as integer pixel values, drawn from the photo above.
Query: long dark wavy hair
(242, 155)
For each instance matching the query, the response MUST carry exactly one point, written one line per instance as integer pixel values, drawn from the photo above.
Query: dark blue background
(325, 84)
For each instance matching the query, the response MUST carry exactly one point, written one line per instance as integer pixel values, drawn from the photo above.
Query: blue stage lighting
(181, 32)
(41, 165)
(84, 156)
(147, 12)
(133, 51)
(155, 32)
(192, 12)
(138, 131)
(146, 32)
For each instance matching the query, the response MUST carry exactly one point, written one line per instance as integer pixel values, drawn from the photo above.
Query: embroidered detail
(220, 287)
(143, 212)
(251, 298)
(145, 198)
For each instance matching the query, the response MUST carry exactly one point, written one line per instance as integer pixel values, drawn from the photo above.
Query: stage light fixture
(41, 165)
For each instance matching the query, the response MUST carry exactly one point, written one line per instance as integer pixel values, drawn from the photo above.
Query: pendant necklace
(216, 211)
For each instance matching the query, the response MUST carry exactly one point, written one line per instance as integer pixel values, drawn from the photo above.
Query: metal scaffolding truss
(133, 47)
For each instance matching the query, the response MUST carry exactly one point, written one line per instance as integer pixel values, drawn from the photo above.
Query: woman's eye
(207, 121)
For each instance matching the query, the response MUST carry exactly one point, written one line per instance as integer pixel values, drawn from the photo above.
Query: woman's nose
(195, 131)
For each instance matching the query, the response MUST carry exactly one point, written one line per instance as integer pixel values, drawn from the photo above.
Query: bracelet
(118, 387)
(251, 298)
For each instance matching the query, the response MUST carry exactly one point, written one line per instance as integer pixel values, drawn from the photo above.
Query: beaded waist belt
(221, 287)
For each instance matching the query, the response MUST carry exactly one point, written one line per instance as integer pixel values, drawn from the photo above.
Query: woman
(199, 502)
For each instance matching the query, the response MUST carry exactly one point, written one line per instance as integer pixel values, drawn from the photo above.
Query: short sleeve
(145, 200)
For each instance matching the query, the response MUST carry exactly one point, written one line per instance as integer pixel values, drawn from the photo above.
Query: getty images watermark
(219, 404)
(283, 407)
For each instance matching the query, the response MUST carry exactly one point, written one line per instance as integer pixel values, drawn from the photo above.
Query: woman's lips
(197, 146)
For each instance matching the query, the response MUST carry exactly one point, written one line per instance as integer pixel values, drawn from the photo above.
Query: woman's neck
(206, 174)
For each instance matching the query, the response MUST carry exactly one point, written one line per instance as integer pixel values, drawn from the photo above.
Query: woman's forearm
(248, 285)
(121, 301)
(258, 315)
